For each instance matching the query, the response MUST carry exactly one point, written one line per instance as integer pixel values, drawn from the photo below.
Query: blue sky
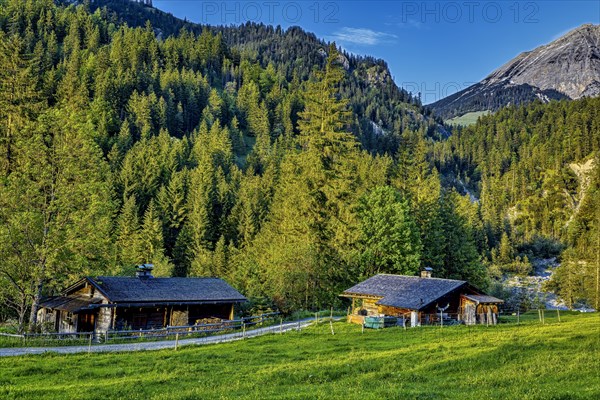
(432, 47)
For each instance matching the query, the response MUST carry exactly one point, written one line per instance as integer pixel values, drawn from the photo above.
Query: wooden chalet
(421, 300)
(142, 302)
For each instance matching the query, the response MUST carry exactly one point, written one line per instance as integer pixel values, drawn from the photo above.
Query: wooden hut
(421, 300)
(141, 302)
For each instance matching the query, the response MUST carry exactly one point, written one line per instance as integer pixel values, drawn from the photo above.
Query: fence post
(331, 321)
(280, 325)
(558, 314)
(518, 316)
(176, 341)
(90, 343)
(243, 328)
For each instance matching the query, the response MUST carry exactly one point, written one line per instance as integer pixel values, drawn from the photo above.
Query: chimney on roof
(426, 272)
(144, 271)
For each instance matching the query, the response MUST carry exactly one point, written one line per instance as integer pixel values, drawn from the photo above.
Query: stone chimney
(426, 272)
(144, 271)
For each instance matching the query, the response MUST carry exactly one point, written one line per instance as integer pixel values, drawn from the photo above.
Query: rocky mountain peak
(570, 64)
(568, 67)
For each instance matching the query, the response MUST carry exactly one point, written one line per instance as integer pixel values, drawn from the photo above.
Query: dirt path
(166, 344)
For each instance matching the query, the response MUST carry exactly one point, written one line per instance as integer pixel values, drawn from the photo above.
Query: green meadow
(557, 360)
(468, 118)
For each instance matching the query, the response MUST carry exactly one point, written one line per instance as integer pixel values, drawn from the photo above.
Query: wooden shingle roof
(484, 299)
(70, 304)
(410, 292)
(166, 290)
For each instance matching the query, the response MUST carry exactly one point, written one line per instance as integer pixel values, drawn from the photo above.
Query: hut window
(69, 318)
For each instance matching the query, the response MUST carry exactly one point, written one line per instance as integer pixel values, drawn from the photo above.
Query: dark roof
(173, 290)
(70, 304)
(411, 292)
(481, 298)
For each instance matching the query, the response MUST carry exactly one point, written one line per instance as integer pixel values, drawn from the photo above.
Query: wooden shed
(141, 302)
(421, 300)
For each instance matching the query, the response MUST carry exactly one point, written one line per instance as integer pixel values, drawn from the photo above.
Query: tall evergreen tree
(19, 98)
(128, 232)
(150, 246)
(390, 241)
(301, 264)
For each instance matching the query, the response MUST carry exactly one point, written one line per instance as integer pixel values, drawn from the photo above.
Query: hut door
(86, 322)
(139, 321)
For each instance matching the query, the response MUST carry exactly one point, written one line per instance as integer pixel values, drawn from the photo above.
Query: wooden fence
(170, 331)
(187, 330)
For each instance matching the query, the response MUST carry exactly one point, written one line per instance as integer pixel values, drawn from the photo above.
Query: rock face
(568, 67)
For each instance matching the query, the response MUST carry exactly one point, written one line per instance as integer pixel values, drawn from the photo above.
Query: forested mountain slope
(213, 152)
(119, 147)
(536, 172)
(382, 109)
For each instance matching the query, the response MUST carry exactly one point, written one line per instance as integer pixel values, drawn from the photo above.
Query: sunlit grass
(468, 118)
(509, 361)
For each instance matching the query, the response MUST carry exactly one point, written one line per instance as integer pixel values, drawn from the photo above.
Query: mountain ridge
(566, 68)
(384, 108)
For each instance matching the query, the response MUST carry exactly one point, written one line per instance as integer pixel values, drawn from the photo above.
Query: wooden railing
(186, 330)
(52, 338)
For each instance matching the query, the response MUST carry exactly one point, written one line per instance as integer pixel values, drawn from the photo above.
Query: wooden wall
(472, 313)
(393, 311)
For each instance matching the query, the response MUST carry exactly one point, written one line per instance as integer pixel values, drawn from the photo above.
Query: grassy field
(509, 361)
(467, 119)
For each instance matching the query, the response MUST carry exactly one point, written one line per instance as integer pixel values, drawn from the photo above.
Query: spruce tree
(389, 241)
(303, 267)
(19, 98)
(150, 246)
(128, 235)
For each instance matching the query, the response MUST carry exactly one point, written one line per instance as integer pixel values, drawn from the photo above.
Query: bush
(256, 306)
(542, 247)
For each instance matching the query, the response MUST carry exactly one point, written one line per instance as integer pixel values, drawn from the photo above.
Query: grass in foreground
(528, 361)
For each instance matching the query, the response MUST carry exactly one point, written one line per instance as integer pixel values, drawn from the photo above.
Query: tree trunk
(35, 305)
(39, 284)
(22, 312)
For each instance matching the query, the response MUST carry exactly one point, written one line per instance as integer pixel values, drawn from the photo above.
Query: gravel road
(166, 344)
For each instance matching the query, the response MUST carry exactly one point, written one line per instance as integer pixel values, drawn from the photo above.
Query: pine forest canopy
(212, 151)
